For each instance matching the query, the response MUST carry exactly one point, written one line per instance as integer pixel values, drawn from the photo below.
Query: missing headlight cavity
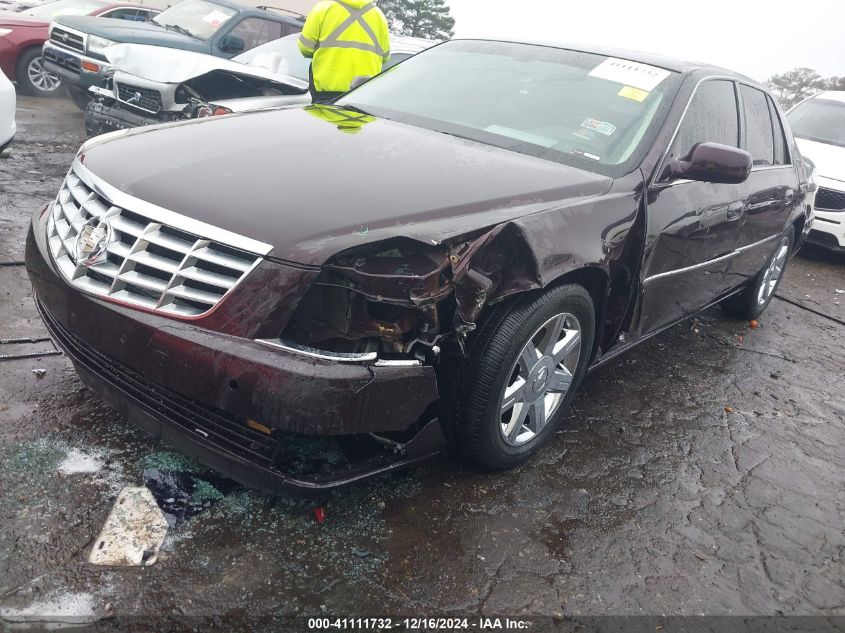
(392, 296)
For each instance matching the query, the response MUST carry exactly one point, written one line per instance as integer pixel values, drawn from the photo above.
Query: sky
(755, 37)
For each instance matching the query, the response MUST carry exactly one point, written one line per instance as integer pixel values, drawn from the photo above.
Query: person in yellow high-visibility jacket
(345, 39)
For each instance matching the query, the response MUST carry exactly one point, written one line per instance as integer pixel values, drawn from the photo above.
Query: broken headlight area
(404, 297)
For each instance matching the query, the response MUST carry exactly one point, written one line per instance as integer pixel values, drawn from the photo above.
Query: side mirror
(713, 162)
(232, 44)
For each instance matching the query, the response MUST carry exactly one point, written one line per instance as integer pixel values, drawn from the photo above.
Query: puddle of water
(68, 608)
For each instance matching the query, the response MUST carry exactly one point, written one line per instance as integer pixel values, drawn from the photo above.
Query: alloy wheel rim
(540, 379)
(40, 78)
(773, 273)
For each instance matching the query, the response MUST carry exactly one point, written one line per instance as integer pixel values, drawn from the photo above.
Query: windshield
(819, 120)
(591, 111)
(197, 18)
(49, 11)
(279, 56)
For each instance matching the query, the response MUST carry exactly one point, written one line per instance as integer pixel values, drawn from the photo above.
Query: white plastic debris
(39, 373)
(133, 533)
(840, 292)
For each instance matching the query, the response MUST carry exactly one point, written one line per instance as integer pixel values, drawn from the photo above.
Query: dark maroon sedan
(23, 34)
(449, 248)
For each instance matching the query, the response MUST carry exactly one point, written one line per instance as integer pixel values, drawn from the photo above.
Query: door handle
(735, 210)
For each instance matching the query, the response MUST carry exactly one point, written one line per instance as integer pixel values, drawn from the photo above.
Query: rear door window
(712, 117)
(759, 140)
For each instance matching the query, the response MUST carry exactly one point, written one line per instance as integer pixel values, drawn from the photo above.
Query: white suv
(818, 124)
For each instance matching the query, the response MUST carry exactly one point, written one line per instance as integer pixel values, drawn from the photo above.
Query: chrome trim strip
(709, 262)
(158, 214)
(310, 352)
(398, 363)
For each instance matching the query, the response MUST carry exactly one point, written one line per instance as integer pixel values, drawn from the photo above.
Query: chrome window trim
(709, 262)
(165, 216)
(337, 357)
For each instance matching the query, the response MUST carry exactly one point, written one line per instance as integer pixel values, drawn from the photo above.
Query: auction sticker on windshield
(215, 18)
(630, 73)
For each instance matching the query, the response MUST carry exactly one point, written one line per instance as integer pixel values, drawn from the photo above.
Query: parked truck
(76, 48)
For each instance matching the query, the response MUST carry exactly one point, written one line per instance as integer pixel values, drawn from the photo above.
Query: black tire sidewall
(80, 98)
(22, 70)
(756, 309)
(501, 350)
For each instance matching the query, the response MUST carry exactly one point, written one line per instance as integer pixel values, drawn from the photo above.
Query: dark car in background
(76, 48)
(23, 34)
(435, 252)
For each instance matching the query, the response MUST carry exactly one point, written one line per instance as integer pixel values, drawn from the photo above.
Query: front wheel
(80, 98)
(33, 78)
(752, 301)
(524, 367)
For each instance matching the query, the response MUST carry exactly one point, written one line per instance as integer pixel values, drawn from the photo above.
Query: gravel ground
(701, 474)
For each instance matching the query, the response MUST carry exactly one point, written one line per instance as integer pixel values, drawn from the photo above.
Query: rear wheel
(33, 78)
(751, 302)
(524, 367)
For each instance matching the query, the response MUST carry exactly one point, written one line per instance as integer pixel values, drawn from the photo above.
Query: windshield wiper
(354, 108)
(180, 29)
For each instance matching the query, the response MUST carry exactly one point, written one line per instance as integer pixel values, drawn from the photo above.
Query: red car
(23, 34)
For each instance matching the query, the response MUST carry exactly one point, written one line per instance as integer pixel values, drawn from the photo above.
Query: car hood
(9, 18)
(317, 180)
(173, 66)
(127, 31)
(828, 159)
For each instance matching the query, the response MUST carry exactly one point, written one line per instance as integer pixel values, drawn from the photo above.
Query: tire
(32, 78)
(753, 300)
(501, 369)
(80, 98)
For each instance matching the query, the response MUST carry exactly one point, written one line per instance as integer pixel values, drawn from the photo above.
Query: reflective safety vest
(346, 39)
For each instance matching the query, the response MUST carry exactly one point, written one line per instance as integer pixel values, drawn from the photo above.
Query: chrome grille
(148, 263)
(143, 98)
(830, 200)
(67, 38)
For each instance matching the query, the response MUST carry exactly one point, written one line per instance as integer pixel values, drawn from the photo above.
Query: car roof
(652, 59)
(831, 95)
(243, 8)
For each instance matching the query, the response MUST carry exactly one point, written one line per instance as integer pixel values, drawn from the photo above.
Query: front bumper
(199, 389)
(829, 226)
(67, 64)
(101, 118)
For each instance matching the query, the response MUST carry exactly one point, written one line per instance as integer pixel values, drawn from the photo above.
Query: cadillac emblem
(91, 243)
